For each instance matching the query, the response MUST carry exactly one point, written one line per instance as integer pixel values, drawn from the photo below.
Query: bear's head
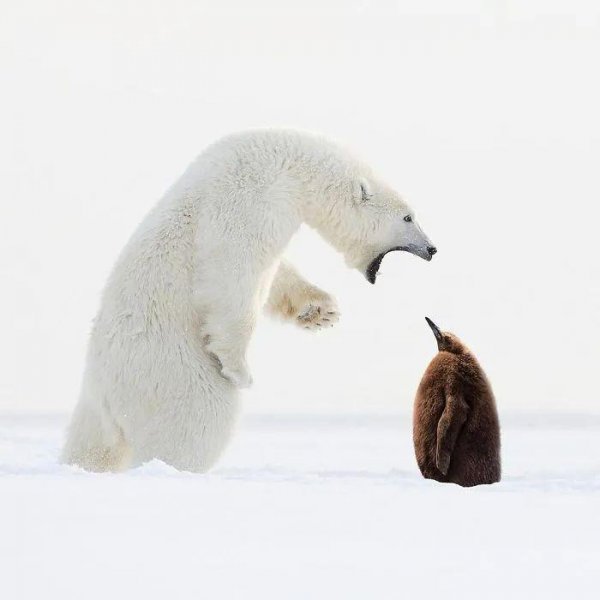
(365, 219)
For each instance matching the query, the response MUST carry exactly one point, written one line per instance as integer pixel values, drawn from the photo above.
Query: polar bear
(166, 356)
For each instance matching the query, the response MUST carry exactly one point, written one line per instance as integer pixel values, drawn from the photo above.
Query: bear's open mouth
(373, 268)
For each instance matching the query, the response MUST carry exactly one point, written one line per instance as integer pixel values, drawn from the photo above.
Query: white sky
(484, 114)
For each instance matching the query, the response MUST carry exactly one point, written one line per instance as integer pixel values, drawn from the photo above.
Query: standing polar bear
(166, 356)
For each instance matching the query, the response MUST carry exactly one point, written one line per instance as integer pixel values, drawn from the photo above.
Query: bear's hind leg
(94, 442)
(193, 431)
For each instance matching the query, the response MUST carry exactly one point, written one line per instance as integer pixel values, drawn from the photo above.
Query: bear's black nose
(432, 250)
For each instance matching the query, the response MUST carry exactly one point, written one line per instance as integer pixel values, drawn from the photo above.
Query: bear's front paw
(239, 376)
(319, 313)
(232, 367)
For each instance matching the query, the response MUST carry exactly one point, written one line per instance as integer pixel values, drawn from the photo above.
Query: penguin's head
(446, 341)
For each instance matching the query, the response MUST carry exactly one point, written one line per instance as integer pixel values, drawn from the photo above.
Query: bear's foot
(319, 313)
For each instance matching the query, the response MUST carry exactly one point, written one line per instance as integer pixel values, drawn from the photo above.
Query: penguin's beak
(436, 331)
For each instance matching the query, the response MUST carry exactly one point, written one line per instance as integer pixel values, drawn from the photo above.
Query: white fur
(167, 352)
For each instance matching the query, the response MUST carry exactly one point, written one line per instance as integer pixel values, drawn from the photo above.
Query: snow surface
(304, 507)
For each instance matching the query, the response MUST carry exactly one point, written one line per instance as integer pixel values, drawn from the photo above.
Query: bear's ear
(364, 191)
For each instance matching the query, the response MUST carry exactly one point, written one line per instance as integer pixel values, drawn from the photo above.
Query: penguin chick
(456, 432)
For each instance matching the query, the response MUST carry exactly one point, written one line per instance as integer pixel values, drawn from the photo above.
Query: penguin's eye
(365, 193)
(408, 219)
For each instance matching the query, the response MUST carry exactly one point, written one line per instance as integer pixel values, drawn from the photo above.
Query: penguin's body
(456, 431)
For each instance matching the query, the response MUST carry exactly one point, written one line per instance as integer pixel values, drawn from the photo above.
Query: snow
(304, 507)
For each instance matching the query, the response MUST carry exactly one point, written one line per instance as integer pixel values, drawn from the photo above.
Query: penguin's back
(457, 380)
(429, 405)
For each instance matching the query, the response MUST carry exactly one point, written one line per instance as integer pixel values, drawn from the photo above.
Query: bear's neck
(314, 167)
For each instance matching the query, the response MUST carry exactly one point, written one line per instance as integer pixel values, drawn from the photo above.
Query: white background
(484, 114)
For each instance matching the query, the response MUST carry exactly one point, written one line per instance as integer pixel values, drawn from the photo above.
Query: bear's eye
(365, 193)
(408, 219)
